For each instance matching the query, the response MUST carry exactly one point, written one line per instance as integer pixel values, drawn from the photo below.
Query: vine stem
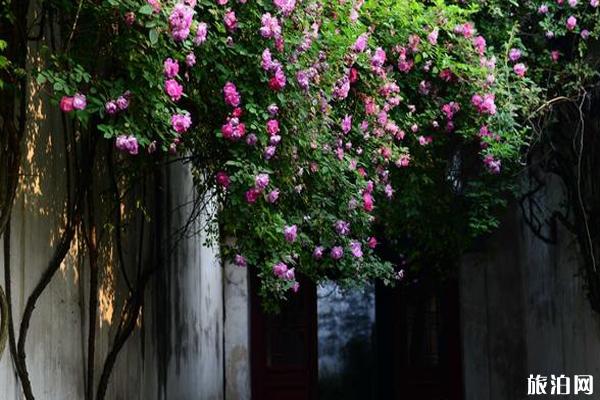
(3, 321)
(579, 184)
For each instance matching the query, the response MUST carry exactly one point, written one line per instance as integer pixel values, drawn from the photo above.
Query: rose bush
(322, 125)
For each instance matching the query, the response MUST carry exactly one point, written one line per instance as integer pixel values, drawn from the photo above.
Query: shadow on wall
(355, 381)
(346, 321)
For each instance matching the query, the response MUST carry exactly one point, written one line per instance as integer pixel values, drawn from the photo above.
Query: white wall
(176, 351)
(525, 311)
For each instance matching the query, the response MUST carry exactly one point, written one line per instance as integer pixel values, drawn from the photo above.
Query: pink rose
(66, 104)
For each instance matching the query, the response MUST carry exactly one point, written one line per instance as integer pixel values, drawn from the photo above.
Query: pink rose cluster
(283, 272)
(484, 104)
(127, 144)
(273, 130)
(180, 21)
(121, 103)
(278, 79)
(71, 103)
(261, 181)
(233, 129)
(181, 122)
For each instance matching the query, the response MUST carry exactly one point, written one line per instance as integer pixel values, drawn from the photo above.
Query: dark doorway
(418, 342)
(284, 347)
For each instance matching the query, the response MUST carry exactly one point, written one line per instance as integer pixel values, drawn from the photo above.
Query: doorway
(284, 347)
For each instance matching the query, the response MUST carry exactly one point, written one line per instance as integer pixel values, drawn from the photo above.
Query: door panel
(419, 342)
(284, 347)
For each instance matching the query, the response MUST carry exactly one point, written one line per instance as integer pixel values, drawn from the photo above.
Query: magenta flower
(240, 261)
(285, 6)
(342, 227)
(346, 124)
(372, 242)
(155, 4)
(251, 139)
(127, 144)
(520, 69)
(231, 95)
(280, 269)
(318, 252)
(272, 127)
(122, 103)
(514, 55)
(223, 179)
(66, 104)
(269, 152)
(278, 81)
(201, 32)
(356, 249)
(480, 44)
(270, 26)
(450, 110)
(378, 58)
(233, 129)
(295, 287)
(181, 122)
(337, 252)
(303, 79)
(485, 104)
(368, 202)
(266, 60)
(230, 21)
(492, 164)
(273, 196)
(173, 89)
(180, 21)
(290, 233)
(543, 9)
(252, 195)
(433, 36)
(79, 101)
(360, 44)
(585, 34)
(341, 88)
(594, 3)
(190, 60)
(261, 181)
(571, 23)
(272, 109)
(111, 107)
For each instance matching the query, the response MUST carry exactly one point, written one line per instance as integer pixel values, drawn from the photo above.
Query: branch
(3, 322)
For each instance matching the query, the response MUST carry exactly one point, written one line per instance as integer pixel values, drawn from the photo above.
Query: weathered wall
(237, 333)
(524, 311)
(176, 351)
(346, 320)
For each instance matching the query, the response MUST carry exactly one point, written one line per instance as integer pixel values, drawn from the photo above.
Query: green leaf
(153, 34)
(146, 9)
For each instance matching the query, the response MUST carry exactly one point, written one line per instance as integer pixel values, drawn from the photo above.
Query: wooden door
(284, 348)
(419, 342)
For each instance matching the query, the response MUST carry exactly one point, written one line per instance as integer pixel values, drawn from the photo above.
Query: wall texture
(524, 311)
(176, 351)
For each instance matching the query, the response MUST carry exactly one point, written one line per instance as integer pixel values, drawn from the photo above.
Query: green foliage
(422, 162)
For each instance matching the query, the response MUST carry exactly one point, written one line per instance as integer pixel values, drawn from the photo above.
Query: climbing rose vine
(321, 124)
